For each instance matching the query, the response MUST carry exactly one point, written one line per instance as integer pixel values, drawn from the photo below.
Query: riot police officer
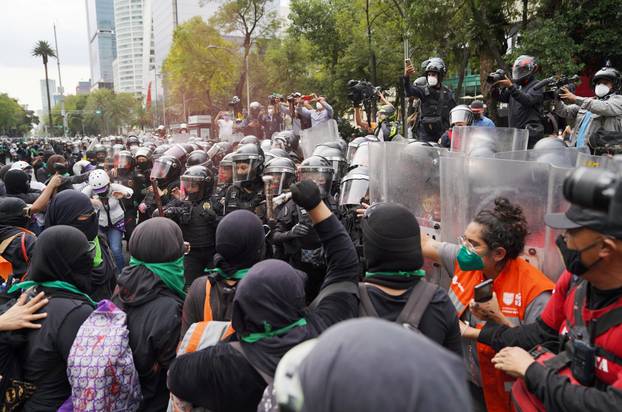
(435, 99)
(247, 189)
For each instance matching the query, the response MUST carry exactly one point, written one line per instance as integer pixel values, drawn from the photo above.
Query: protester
(61, 267)
(479, 119)
(270, 318)
(322, 112)
(16, 242)
(151, 291)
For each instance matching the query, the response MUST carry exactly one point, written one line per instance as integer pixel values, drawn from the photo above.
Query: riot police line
(267, 243)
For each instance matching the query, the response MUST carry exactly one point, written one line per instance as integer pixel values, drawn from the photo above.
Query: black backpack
(413, 310)
(606, 142)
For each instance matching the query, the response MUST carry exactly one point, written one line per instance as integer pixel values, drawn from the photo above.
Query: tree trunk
(525, 13)
(464, 61)
(239, 88)
(47, 89)
(487, 65)
(370, 46)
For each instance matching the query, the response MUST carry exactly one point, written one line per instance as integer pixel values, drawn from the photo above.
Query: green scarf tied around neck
(237, 275)
(404, 274)
(55, 284)
(171, 273)
(269, 333)
(97, 259)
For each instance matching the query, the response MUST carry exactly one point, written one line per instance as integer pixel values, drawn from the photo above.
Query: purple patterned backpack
(100, 367)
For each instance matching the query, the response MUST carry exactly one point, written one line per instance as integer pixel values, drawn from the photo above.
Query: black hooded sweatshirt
(64, 209)
(61, 253)
(222, 379)
(153, 310)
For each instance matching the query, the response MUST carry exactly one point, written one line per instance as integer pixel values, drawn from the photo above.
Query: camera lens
(590, 188)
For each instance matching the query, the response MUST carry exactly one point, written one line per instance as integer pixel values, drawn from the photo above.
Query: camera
(234, 101)
(360, 91)
(595, 189)
(293, 96)
(554, 84)
(495, 76)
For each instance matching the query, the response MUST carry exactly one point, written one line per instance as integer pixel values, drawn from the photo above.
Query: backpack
(6, 267)
(606, 142)
(100, 366)
(413, 310)
(200, 335)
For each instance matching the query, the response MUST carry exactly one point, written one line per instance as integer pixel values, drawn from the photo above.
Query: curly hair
(505, 226)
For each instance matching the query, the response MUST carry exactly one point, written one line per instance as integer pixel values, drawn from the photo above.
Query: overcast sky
(22, 24)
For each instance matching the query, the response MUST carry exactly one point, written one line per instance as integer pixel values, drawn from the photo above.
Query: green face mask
(468, 260)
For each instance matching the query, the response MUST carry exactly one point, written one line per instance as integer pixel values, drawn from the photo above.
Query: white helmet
(20, 165)
(99, 181)
(81, 166)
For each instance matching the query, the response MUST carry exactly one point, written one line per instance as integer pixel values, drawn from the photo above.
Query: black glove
(306, 194)
(299, 230)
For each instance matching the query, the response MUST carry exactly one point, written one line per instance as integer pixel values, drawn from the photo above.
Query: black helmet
(249, 139)
(354, 186)
(166, 167)
(524, 68)
(125, 161)
(434, 65)
(100, 152)
(266, 145)
(335, 156)
(273, 153)
(283, 173)
(225, 170)
(319, 170)
(218, 151)
(143, 158)
(159, 151)
(247, 163)
(198, 158)
(279, 141)
(132, 141)
(196, 183)
(608, 73)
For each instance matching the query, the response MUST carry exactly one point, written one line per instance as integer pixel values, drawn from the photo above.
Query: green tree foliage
(15, 121)
(200, 68)
(105, 112)
(44, 50)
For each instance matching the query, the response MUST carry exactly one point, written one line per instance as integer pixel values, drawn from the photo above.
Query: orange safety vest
(516, 286)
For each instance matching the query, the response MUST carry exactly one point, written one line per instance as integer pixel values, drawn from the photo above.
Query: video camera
(293, 96)
(361, 91)
(495, 76)
(595, 189)
(554, 83)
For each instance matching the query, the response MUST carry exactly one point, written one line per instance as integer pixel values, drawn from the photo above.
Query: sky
(22, 24)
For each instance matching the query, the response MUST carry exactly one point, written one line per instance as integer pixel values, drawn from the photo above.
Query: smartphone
(307, 97)
(483, 291)
(407, 62)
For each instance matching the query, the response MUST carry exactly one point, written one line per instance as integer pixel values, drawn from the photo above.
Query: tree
(106, 112)
(200, 68)
(252, 19)
(42, 49)
(15, 121)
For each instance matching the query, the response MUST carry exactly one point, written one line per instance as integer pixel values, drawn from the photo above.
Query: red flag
(148, 103)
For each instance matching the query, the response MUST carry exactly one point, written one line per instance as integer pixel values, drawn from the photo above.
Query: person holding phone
(322, 112)
(491, 283)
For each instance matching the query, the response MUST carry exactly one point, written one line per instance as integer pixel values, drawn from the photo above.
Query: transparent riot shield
(232, 138)
(322, 133)
(562, 157)
(469, 185)
(486, 141)
(180, 137)
(409, 174)
(599, 162)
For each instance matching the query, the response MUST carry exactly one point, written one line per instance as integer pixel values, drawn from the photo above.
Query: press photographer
(574, 361)
(524, 100)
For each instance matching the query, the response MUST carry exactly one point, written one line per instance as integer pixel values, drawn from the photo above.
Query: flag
(148, 101)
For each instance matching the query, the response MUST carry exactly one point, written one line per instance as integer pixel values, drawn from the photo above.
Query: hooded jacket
(153, 310)
(61, 253)
(64, 209)
(270, 297)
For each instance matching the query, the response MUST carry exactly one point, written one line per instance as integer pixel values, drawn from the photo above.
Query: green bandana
(404, 274)
(97, 260)
(269, 333)
(56, 284)
(171, 273)
(238, 275)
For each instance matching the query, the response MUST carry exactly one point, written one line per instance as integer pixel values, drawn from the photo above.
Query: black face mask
(90, 226)
(572, 257)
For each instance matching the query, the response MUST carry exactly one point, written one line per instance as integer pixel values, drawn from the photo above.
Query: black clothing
(439, 321)
(237, 198)
(14, 252)
(153, 310)
(436, 103)
(43, 175)
(274, 296)
(197, 221)
(370, 365)
(221, 302)
(195, 263)
(16, 182)
(525, 108)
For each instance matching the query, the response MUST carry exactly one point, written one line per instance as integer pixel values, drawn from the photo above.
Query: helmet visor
(323, 179)
(245, 170)
(353, 191)
(361, 157)
(225, 174)
(192, 187)
(124, 161)
(281, 181)
(161, 168)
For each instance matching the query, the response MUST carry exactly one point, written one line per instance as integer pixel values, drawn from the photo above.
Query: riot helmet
(249, 139)
(100, 153)
(247, 163)
(266, 145)
(353, 146)
(549, 143)
(361, 157)
(125, 161)
(434, 65)
(354, 186)
(218, 151)
(196, 183)
(273, 153)
(319, 170)
(387, 112)
(524, 68)
(283, 173)
(335, 156)
(279, 142)
(225, 170)
(159, 151)
(254, 109)
(82, 166)
(460, 115)
(607, 73)
(166, 168)
(132, 141)
(198, 158)
(143, 158)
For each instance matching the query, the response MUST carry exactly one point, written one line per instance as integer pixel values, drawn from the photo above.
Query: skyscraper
(44, 96)
(101, 38)
(128, 67)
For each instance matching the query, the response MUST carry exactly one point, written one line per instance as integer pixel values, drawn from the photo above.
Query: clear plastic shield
(565, 158)
(180, 137)
(322, 133)
(409, 174)
(486, 141)
(598, 162)
(232, 138)
(469, 185)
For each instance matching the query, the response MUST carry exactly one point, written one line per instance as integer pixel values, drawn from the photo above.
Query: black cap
(477, 105)
(576, 217)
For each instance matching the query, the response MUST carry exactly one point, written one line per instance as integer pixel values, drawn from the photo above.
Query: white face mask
(601, 90)
(319, 106)
(432, 80)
